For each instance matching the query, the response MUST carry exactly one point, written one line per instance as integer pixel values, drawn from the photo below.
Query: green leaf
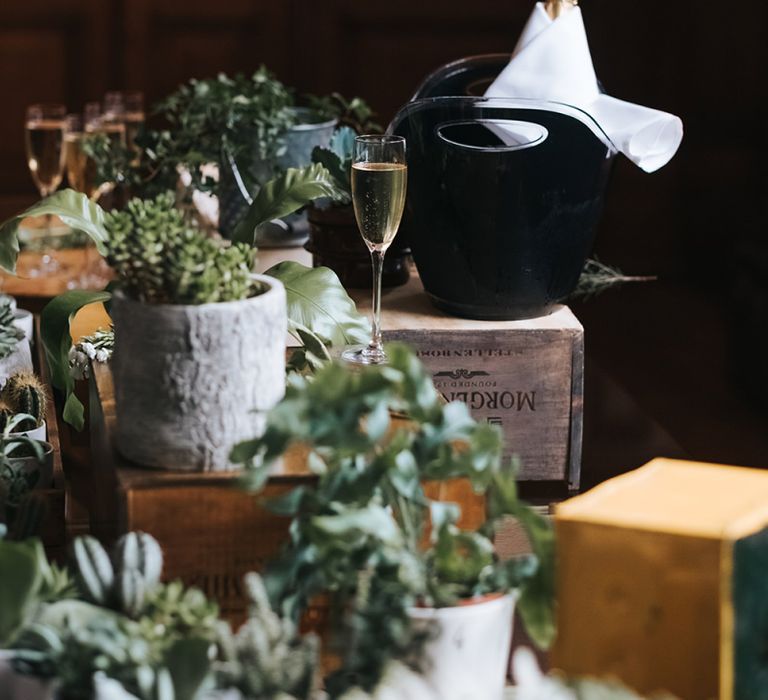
(335, 167)
(285, 194)
(188, 663)
(317, 301)
(73, 208)
(21, 579)
(55, 324)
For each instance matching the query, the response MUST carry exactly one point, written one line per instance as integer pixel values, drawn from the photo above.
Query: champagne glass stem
(377, 260)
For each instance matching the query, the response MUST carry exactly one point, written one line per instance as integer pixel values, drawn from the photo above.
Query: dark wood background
(699, 223)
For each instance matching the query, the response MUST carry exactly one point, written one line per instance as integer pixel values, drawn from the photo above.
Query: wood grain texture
(53, 531)
(211, 532)
(525, 376)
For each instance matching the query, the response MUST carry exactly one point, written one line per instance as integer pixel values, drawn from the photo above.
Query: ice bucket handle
(496, 135)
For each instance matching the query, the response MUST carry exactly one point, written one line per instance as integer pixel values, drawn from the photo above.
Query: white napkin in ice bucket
(552, 62)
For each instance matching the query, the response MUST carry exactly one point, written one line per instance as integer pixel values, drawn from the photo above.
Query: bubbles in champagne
(378, 194)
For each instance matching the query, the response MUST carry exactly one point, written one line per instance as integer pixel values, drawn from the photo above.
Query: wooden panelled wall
(703, 61)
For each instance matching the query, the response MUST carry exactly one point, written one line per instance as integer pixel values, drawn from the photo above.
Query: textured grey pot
(192, 381)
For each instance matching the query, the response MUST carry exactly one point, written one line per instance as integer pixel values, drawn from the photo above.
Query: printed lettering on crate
(524, 376)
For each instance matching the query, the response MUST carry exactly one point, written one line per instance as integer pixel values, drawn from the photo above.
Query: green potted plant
(334, 237)
(111, 622)
(200, 330)
(368, 535)
(26, 464)
(249, 128)
(107, 628)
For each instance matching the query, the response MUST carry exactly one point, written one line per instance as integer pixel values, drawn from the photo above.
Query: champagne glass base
(364, 355)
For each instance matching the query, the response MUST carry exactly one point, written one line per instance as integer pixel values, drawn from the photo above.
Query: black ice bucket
(503, 198)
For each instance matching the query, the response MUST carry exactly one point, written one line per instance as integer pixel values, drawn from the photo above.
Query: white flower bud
(88, 349)
(102, 355)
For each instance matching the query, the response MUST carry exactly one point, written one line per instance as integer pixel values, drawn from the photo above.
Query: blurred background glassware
(80, 168)
(379, 183)
(133, 117)
(44, 132)
(81, 176)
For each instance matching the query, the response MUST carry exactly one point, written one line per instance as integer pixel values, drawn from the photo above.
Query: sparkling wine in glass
(81, 170)
(379, 183)
(44, 137)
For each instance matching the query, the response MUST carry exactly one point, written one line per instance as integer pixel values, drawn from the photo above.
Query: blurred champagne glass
(44, 132)
(80, 168)
(81, 176)
(134, 117)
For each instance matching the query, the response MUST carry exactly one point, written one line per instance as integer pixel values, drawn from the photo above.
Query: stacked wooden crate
(524, 376)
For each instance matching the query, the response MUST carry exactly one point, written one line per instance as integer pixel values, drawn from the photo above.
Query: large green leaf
(20, 581)
(73, 208)
(55, 324)
(188, 663)
(285, 194)
(317, 301)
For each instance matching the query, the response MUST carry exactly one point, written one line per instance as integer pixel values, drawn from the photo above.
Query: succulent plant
(266, 658)
(122, 581)
(10, 334)
(23, 393)
(162, 258)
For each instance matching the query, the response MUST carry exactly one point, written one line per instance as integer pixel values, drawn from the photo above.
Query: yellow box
(663, 581)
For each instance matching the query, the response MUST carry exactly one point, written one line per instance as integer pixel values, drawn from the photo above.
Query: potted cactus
(410, 582)
(26, 464)
(24, 393)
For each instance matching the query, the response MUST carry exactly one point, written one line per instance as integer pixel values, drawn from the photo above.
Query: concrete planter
(468, 656)
(192, 381)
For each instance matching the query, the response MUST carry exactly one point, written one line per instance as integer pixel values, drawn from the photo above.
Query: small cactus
(95, 575)
(124, 580)
(25, 393)
(6, 413)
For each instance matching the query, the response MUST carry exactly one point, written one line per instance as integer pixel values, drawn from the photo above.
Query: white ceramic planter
(26, 322)
(20, 360)
(192, 381)
(38, 433)
(468, 657)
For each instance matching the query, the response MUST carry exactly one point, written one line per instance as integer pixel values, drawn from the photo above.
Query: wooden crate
(525, 376)
(211, 532)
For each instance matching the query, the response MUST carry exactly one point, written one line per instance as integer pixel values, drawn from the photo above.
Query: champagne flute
(81, 176)
(379, 182)
(44, 134)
